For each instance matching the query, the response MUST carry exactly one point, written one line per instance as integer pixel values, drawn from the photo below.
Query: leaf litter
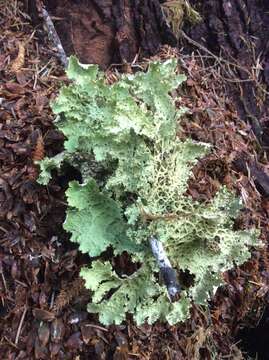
(42, 309)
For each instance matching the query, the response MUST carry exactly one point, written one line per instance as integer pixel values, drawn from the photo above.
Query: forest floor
(43, 301)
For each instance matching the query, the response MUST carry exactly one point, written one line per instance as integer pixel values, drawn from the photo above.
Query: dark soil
(43, 300)
(255, 338)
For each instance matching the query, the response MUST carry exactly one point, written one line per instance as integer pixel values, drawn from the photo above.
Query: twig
(52, 300)
(97, 327)
(20, 325)
(10, 343)
(167, 272)
(4, 281)
(53, 36)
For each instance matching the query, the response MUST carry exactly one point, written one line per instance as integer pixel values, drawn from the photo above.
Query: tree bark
(238, 31)
(108, 31)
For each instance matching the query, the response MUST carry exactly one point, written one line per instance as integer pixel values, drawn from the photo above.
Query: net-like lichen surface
(124, 139)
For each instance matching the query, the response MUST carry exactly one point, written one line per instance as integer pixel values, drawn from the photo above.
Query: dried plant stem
(20, 325)
(98, 327)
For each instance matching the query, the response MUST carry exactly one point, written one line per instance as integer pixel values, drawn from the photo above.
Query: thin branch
(97, 327)
(54, 38)
(20, 325)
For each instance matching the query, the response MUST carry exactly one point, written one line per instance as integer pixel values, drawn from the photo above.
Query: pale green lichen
(127, 132)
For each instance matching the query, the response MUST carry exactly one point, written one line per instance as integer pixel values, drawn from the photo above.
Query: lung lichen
(128, 130)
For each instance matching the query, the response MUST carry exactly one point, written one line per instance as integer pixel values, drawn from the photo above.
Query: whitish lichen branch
(168, 273)
(54, 38)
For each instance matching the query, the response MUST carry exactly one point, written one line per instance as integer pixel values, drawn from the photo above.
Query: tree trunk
(238, 32)
(109, 31)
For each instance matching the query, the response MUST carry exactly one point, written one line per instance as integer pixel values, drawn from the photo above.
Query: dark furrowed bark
(108, 31)
(238, 31)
